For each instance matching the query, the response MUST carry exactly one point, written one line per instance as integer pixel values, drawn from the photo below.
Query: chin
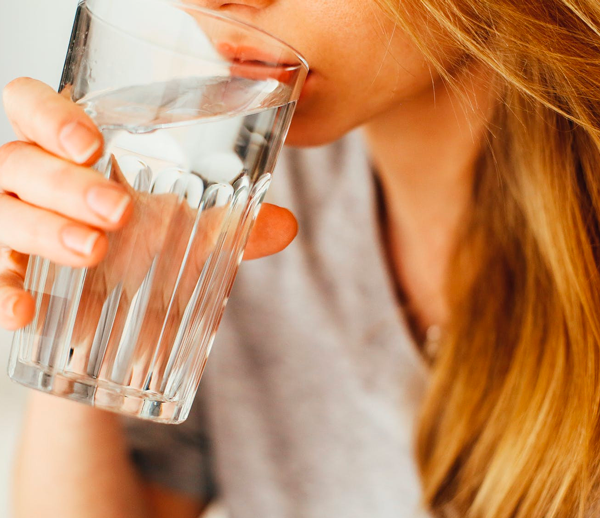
(308, 131)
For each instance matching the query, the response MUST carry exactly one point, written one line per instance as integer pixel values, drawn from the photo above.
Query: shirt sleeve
(177, 457)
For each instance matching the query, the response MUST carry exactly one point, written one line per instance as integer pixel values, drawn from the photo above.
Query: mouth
(259, 64)
(245, 55)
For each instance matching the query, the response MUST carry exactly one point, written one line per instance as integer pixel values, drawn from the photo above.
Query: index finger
(52, 121)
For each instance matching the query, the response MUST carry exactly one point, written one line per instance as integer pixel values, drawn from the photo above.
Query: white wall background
(34, 35)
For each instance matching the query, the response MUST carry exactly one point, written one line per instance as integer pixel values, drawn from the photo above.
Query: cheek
(355, 89)
(363, 65)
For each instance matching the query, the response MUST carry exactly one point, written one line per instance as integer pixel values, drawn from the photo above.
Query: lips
(257, 64)
(245, 54)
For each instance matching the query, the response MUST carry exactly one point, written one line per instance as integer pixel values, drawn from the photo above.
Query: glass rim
(302, 62)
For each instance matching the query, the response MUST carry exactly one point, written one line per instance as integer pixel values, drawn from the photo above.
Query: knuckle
(13, 262)
(7, 153)
(13, 87)
(38, 231)
(10, 279)
(57, 177)
(12, 95)
(28, 229)
(8, 232)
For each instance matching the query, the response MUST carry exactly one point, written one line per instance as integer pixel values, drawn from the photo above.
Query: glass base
(100, 394)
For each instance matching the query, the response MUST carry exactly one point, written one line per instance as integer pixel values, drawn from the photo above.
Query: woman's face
(361, 64)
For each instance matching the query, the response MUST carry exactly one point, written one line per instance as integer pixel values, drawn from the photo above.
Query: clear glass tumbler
(194, 109)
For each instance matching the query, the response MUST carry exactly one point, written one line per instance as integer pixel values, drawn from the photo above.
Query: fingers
(274, 230)
(51, 183)
(49, 235)
(16, 306)
(38, 114)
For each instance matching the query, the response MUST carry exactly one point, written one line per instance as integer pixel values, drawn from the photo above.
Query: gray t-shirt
(309, 400)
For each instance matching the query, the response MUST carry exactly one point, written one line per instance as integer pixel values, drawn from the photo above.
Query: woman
(481, 122)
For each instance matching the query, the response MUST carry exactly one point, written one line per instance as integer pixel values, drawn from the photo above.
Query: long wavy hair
(510, 427)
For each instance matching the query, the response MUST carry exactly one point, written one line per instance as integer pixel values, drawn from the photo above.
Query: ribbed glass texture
(194, 110)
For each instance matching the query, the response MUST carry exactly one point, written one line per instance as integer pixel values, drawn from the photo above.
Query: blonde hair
(510, 427)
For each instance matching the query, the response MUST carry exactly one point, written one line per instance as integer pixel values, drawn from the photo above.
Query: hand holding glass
(194, 109)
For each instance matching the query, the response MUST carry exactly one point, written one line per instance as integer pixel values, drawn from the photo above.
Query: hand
(52, 204)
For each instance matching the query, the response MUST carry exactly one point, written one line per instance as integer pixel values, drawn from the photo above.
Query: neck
(425, 152)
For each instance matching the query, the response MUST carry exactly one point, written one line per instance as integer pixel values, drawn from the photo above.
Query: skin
(423, 140)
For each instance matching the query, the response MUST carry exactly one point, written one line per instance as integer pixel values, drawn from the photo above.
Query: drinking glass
(194, 108)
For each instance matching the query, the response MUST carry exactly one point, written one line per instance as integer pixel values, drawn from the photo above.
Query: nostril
(255, 4)
(231, 6)
(238, 4)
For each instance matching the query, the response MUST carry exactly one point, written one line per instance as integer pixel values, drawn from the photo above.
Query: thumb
(274, 230)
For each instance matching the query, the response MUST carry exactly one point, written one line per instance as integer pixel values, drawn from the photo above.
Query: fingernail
(10, 306)
(79, 141)
(109, 203)
(80, 240)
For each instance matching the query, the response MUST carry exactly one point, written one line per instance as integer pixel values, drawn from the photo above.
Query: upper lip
(253, 56)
